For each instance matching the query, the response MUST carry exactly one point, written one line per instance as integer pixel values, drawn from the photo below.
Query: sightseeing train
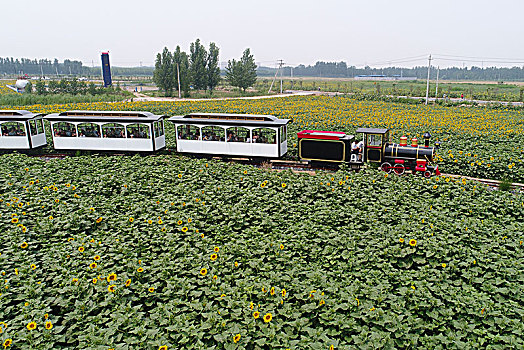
(229, 135)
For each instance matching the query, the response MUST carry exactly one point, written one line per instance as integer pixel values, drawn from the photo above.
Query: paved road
(142, 97)
(288, 93)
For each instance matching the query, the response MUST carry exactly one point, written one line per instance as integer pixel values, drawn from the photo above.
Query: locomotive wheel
(386, 167)
(427, 173)
(399, 169)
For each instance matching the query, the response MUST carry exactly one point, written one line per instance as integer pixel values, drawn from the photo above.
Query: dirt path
(142, 97)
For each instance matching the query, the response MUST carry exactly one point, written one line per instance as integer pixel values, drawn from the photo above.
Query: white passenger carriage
(231, 134)
(21, 130)
(107, 131)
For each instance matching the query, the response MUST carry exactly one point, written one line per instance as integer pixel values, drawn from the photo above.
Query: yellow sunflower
(236, 338)
(203, 271)
(31, 326)
(48, 325)
(412, 242)
(111, 288)
(268, 317)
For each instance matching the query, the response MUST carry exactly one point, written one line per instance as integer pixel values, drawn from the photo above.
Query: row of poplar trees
(199, 69)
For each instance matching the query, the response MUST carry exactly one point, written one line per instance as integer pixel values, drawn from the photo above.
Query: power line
(477, 60)
(481, 58)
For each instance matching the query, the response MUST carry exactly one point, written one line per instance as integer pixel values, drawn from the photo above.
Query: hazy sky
(372, 32)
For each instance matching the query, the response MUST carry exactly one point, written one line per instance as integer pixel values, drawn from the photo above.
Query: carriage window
(213, 133)
(13, 129)
(374, 140)
(283, 133)
(264, 135)
(188, 132)
(32, 127)
(88, 130)
(159, 128)
(40, 126)
(138, 131)
(113, 131)
(238, 134)
(64, 129)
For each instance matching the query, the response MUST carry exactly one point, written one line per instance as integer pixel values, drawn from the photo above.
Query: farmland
(169, 251)
(478, 142)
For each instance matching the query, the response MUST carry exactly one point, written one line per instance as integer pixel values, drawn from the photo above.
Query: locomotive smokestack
(403, 141)
(426, 136)
(414, 142)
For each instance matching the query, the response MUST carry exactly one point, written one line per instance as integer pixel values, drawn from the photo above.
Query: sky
(373, 32)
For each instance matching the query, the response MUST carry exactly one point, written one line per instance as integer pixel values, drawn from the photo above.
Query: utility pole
(291, 77)
(427, 86)
(178, 75)
(436, 89)
(281, 69)
(275, 77)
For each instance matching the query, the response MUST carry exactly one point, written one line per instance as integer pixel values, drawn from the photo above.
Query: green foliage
(29, 88)
(40, 88)
(366, 261)
(212, 69)
(57, 98)
(181, 59)
(198, 61)
(505, 185)
(242, 74)
(164, 75)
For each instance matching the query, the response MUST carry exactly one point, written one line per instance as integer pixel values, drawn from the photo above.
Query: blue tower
(106, 69)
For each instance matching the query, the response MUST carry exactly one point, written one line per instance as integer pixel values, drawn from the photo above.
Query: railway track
(305, 167)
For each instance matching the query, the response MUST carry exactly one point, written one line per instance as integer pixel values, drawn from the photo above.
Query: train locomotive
(375, 147)
(230, 135)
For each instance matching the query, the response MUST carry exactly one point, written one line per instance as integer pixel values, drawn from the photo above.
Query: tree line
(199, 69)
(342, 70)
(9, 65)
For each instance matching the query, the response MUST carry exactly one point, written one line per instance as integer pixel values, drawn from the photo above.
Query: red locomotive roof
(319, 134)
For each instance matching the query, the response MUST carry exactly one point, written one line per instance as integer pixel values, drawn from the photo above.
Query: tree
(180, 58)
(198, 61)
(243, 73)
(163, 76)
(212, 69)
(40, 87)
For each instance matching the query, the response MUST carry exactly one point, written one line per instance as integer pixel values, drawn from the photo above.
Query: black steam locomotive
(374, 147)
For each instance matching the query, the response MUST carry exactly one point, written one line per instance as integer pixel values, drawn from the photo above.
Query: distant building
(381, 77)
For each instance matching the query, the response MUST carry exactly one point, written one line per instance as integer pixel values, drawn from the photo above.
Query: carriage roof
(22, 115)
(105, 116)
(229, 119)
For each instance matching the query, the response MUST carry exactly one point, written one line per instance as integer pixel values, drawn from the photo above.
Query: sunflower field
(169, 252)
(475, 141)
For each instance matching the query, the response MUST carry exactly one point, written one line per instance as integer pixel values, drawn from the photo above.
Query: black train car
(375, 147)
(324, 146)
